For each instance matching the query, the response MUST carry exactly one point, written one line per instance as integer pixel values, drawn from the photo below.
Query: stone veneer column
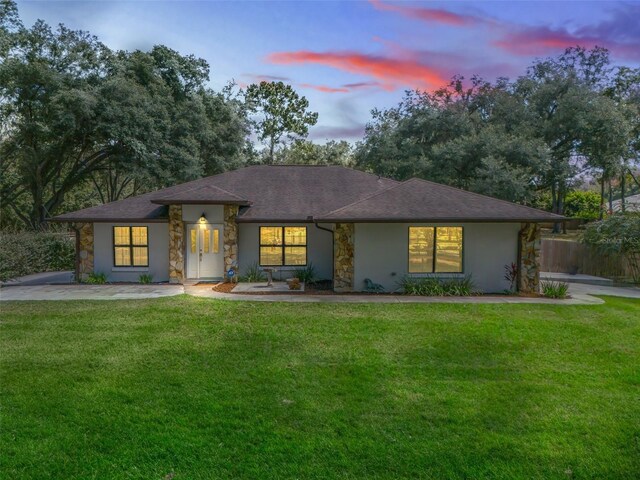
(230, 235)
(343, 248)
(529, 258)
(85, 251)
(176, 244)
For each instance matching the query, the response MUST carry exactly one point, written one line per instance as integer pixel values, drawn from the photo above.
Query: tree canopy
(280, 112)
(73, 111)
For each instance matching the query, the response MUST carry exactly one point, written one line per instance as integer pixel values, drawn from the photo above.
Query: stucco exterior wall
(213, 213)
(382, 253)
(319, 248)
(158, 237)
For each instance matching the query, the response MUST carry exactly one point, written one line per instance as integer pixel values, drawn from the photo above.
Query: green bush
(253, 274)
(581, 204)
(438, 287)
(145, 278)
(306, 274)
(554, 289)
(577, 204)
(96, 278)
(617, 235)
(23, 253)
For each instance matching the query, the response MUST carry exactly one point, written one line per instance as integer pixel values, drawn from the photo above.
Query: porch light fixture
(202, 219)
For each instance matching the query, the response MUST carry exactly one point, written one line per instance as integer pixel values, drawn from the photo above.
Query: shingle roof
(203, 194)
(424, 201)
(282, 193)
(295, 193)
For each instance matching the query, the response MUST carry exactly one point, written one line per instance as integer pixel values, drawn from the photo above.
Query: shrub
(581, 204)
(554, 289)
(96, 278)
(145, 278)
(23, 253)
(253, 274)
(306, 274)
(619, 235)
(432, 287)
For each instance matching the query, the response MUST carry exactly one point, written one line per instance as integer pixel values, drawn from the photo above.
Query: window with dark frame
(283, 246)
(435, 249)
(130, 247)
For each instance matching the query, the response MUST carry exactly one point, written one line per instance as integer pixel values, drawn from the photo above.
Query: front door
(204, 251)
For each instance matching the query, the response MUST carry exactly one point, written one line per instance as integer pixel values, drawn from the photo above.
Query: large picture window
(435, 249)
(283, 246)
(130, 247)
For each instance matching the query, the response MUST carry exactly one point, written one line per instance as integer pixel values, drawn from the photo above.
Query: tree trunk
(623, 179)
(601, 214)
(610, 197)
(272, 146)
(554, 206)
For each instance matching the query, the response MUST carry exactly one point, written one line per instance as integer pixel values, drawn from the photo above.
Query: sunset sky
(348, 57)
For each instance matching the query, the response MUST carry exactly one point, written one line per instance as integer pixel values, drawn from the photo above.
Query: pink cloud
(392, 72)
(325, 88)
(435, 15)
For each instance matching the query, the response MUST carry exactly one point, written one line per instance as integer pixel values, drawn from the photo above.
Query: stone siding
(529, 258)
(230, 235)
(343, 249)
(176, 244)
(85, 253)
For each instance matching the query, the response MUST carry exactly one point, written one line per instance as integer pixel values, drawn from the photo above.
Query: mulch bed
(324, 288)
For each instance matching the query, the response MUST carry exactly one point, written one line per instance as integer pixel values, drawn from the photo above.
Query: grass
(190, 388)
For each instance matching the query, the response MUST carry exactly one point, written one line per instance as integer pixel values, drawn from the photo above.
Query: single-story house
(349, 224)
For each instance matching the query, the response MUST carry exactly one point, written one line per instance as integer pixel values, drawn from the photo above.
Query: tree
(72, 111)
(280, 111)
(604, 140)
(304, 152)
(625, 91)
(557, 94)
(460, 135)
(617, 234)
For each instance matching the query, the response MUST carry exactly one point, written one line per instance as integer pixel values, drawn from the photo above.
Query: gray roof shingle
(424, 201)
(296, 193)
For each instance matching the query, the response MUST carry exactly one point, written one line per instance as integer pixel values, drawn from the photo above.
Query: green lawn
(190, 388)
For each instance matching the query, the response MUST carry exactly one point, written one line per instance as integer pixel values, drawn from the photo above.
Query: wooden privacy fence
(574, 257)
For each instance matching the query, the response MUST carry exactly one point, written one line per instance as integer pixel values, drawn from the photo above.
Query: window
(283, 246)
(435, 249)
(130, 247)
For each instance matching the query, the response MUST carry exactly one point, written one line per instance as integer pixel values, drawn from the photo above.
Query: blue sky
(348, 57)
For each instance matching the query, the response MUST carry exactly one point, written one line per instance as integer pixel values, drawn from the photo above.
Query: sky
(348, 57)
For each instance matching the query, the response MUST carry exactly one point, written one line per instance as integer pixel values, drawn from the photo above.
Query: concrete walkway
(582, 294)
(88, 292)
(577, 278)
(201, 291)
(45, 278)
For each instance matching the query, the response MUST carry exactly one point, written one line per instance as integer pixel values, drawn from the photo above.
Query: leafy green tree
(72, 111)
(461, 136)
(617, 234)
(625, 91)
(278, 112)
(582, 204)
(604, 140)
(304, 152)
